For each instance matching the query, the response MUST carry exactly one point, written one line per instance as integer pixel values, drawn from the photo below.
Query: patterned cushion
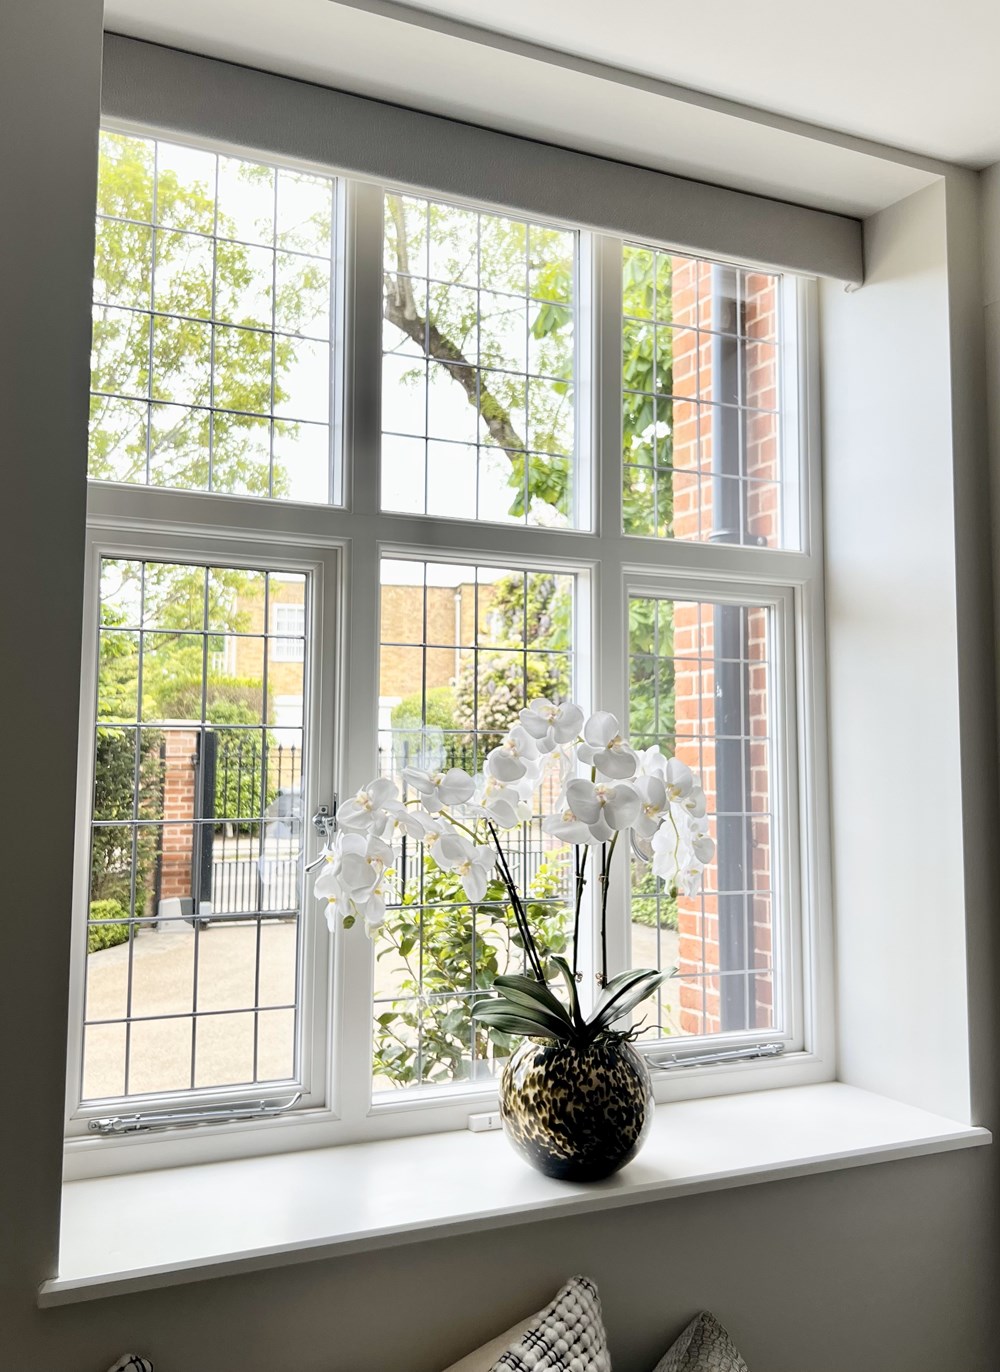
(703, 1347)
(131, 1362)
(567, 1336)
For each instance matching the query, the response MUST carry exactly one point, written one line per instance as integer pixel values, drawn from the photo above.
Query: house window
(289, 629)
(528, 460)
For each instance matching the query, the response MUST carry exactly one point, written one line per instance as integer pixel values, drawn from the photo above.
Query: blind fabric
(188, 94)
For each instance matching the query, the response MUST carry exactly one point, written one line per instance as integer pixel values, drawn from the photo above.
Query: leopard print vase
(574, 1114)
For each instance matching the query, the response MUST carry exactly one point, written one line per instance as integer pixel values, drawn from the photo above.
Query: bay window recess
(371, 467)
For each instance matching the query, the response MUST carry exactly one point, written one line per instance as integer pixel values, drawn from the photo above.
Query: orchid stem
(581, 881)
(607, 853)
(521, 918)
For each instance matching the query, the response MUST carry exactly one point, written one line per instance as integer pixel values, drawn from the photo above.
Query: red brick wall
(180, 749)
(756, 313)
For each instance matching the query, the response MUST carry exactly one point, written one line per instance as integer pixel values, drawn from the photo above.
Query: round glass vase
(577, 1114)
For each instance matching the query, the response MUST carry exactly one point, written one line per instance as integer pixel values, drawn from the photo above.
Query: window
(478, 367)
(196, 839)
(573, 467)
(289, 630)
(211, 366)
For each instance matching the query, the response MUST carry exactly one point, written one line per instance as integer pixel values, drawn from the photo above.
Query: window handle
(324, 821)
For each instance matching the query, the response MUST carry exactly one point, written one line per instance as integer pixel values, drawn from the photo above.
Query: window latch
(324, 821)
(168, 1119)
(759, 1050)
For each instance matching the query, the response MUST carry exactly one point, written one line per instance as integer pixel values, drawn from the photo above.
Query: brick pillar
(180, 754)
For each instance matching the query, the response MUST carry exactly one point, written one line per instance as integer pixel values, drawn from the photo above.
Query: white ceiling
(720, 97)
(915, 74)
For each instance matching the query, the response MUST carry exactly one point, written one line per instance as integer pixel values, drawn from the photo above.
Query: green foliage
(534, 611)
(439, 946)
(490, 693)
(239, 765)
(181, 348)
(505, 258)
(113, 928)
(439, 712)
(114, 797)
(523, 1005)
(651, 672)
(651, 906)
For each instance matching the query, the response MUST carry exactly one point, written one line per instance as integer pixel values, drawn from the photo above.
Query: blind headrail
(279, 116)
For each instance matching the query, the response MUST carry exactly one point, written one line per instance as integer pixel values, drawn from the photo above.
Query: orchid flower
(437, 789)
(604, 748)
(505, 806)
(512, 760)
(352, 880)
(655, 804)
(472, 863)
(552, 726)
(604, 809)
(451, 813)
(367, 811)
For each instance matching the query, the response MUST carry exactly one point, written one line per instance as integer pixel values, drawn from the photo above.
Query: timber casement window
(370, 468)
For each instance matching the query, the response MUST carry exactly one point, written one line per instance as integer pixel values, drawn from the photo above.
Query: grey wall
(870, 1270)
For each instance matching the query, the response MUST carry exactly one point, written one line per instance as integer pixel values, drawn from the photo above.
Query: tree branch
(401, 311)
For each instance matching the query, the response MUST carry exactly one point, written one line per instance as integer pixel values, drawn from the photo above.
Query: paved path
(225, 955)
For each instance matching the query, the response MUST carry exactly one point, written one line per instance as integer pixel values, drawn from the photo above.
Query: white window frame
(342, 545)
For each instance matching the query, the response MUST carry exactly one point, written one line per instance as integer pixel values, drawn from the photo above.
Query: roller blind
(149, 84)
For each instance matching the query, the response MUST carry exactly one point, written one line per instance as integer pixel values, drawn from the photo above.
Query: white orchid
(605, 810)
(605, 749)
(515, 758)
(550, 725)
(455, 817)
(651, 762)
(352, 881)
(567, 826)
(472, 863)
(655, 802)
(506, 806)
(366, 812)
(438, 789)
(681, 851)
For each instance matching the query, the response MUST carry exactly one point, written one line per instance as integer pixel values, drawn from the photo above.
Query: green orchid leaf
(527, 990)
(574, 995)
(520, 1004)
(499, 1015)
(621, 995)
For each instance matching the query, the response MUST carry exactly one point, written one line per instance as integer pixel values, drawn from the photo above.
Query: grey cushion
(567, 1336)
(704, 1346)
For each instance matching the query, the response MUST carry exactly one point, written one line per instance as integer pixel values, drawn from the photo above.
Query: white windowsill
(150, 1229)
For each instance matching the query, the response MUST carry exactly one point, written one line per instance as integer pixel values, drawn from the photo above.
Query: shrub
(440, 710)
(445, 944)
(113, 928)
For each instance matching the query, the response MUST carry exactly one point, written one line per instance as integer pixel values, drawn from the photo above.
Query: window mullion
(607, 363)
(353, 962)
(353, 972)
(610, 606)
(363, 336)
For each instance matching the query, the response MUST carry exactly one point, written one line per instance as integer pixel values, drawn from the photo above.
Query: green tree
(176, 357)
(531, 611)
(438, 308)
